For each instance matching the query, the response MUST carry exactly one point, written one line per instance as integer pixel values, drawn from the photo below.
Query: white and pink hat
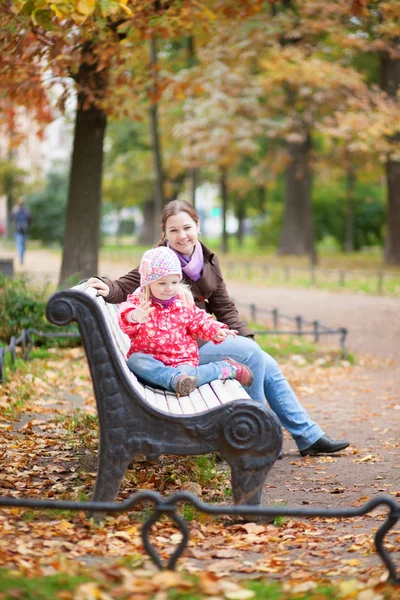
(157, 263)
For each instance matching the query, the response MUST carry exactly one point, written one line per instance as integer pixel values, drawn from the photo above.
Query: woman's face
(181, 232)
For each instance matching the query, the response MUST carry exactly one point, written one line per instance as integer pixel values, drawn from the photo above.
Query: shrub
(48, 210)
(23, 306)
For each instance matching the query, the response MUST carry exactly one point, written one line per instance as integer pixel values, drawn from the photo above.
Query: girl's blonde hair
(184, 294)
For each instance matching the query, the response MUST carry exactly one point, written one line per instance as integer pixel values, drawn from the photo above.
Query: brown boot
(185, 385)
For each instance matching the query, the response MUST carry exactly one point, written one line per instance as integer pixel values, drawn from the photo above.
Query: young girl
(163, 323)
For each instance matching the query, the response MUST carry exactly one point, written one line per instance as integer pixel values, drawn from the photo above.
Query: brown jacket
(209, 292)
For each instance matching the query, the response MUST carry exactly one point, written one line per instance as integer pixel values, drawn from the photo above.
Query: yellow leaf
(348, 588)
(353, 562)
(86, 7)
(125, 8)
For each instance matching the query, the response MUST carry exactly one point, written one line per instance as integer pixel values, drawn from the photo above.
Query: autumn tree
(94, 44)
(219, 125)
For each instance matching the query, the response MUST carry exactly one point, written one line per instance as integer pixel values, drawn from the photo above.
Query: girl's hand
(222, 334)
(141, 314)
(101, 287)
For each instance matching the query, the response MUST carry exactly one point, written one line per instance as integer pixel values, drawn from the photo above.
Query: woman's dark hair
(174, 207)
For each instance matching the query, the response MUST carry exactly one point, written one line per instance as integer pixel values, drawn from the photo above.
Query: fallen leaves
(48, 449)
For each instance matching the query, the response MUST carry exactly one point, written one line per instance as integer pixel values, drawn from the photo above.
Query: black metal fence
(26, 341)
(301, 326)
(169, 506)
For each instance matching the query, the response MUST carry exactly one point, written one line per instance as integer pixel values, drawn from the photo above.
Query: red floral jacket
(170, 333)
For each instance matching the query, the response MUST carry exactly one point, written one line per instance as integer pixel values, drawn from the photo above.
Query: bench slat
(229, 390)
(209, 397)
(187, 405)
(157, 400)
(174, 404)
(197, 401)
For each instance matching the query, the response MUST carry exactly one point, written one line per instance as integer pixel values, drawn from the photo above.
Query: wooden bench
(137, 419)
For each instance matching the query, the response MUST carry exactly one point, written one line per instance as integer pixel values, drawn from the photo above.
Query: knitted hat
(158, 262)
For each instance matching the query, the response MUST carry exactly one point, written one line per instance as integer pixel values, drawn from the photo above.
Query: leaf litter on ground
(48, 450)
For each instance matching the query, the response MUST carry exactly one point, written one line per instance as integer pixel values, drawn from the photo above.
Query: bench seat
(138, 419)
(202, 399)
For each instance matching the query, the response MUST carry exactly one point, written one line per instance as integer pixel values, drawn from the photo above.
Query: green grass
(356, 272)
(283, 347)
(81, 429)
(111, 584)
(205, 469)
(13, 586)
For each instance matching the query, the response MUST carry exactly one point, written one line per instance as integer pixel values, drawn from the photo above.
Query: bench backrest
(200, 400)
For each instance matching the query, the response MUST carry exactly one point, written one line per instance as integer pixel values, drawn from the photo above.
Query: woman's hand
(101, 287)
(222, 334)
(141, 314)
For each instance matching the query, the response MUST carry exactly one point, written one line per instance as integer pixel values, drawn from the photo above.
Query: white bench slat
(197, 401)
(174, 404)
(200, 400)
(157, 400)
(187, 405)
(209, 397)
(229, 390)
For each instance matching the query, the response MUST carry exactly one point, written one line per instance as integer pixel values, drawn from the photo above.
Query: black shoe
(325, 445)
(281, 455)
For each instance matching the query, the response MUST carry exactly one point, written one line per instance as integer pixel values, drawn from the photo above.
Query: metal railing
(301, 326)
(169, 506)
(26, 341)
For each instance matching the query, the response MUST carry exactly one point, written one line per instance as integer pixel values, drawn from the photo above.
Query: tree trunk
(191, 61)
(9, 190)
(240, 215)
(262, 199)
(349, 216)
(147, 234)
(156, 146)
(392, 243)
(9, 222)
(297, 235)
(193, 185)
(390, 82)
(82, 221)
(223, 188)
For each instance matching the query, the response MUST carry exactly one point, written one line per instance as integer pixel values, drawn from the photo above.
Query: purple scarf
(164, 303)
(191, 265)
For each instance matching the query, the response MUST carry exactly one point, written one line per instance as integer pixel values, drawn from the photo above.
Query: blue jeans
(269, 383)
(20, 241)
(156, 373)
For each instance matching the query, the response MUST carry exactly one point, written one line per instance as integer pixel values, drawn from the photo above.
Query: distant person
(163, 322)
(22, 219)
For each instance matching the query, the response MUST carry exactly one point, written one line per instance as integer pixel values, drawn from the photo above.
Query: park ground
(354, 399)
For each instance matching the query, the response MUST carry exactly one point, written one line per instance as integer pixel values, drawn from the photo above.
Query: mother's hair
(174, 207)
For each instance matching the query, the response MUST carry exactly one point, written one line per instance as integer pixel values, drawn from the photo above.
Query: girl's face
(181, 232)
(166, 287)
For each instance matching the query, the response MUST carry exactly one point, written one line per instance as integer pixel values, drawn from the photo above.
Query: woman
(180, 227)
